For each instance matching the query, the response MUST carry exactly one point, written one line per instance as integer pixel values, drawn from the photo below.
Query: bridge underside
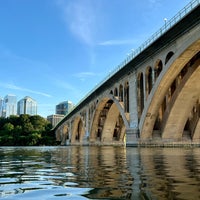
(173, 114)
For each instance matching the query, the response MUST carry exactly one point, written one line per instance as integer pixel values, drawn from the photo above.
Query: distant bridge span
(154, 96)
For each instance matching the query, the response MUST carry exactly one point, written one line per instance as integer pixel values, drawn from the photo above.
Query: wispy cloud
(154, 4)
(80, 18)
(117, 42)
(15, 87)
(85, 75)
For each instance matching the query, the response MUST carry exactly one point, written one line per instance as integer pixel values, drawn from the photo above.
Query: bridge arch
(126, 97)
(109, 121)
(116, 92)
(158, 68)
(168, 56)
(185, 101)
(121, 93)
(149, 80)
(196, 113)
(62, 134)
(165, 87)
(78, 130)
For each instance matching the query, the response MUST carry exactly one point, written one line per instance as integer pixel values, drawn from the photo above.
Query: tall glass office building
(64, 107)
(27, 105)
(1, 107)
(9, 105)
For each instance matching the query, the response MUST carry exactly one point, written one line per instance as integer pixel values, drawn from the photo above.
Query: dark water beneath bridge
(58, 173)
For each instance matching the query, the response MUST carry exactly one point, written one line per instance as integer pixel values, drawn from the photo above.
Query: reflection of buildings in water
(103, 168)
(170, 173)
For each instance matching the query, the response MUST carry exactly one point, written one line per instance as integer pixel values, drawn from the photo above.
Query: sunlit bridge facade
(152, 97)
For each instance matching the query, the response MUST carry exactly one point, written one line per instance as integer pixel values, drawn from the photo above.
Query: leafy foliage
(26, 130)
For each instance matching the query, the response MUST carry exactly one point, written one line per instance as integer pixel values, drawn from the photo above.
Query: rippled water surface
(58, 173)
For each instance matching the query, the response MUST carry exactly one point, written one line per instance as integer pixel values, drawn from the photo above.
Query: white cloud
(80, 19)
(14, 87)
(117, 42)
(85, 75)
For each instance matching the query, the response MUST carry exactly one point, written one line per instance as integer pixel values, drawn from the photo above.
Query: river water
(58, 173)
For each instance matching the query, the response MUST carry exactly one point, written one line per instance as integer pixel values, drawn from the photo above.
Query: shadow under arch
(77, 130)
(166, 78)
(184, 102)
(109, 121)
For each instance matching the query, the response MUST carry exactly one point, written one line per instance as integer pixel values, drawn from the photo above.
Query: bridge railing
(168, 24)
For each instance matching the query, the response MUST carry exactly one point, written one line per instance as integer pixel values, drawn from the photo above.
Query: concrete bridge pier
(132, 133)
(85, 140)
(132, 137)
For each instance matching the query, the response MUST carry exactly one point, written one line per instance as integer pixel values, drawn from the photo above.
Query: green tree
(8, 127)
(6, 136)
(14, 119)
(26, 130)
(38, 122)
(34, 139)
(2, 122)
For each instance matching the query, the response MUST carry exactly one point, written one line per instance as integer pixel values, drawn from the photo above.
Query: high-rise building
(54, 119)
(9, 105)
(1, 107)
(27, 105)
(64, 107)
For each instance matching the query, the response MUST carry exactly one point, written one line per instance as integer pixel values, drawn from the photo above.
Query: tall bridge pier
(152, 97)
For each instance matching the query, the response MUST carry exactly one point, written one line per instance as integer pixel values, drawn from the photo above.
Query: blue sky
(57, 50)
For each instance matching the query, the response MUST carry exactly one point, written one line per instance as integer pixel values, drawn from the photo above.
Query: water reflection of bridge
(132, 173)
(153, 96)
(169, 173)
(103, 169)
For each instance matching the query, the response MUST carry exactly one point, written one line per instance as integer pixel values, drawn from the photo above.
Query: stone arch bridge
(154, 96)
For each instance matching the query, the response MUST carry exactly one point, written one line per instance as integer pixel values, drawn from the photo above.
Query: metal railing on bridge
(167, 25)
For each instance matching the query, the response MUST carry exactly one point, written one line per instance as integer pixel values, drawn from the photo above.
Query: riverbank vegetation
(26, 130)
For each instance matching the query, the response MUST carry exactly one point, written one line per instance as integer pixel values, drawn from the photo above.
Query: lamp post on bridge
(165, 20)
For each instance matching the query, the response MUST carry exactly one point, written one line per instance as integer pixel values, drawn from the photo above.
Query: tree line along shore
(26, 130)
